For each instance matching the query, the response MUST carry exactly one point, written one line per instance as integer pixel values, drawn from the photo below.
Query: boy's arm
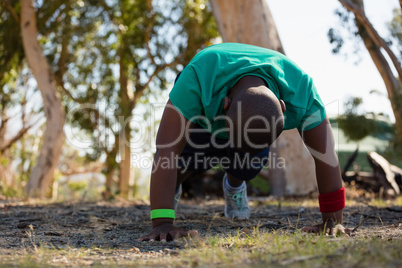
(320, 143)
(170, 142)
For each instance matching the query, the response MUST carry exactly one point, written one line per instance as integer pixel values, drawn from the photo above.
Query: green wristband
(162, 213)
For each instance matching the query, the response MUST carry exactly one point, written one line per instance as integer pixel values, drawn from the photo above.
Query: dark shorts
(216, 151)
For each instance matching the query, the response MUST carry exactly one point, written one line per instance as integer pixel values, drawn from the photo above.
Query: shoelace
(237, 198)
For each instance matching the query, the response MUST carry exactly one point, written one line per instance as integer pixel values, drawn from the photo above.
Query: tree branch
(11, 10)
(123, 79)
(4, 120)
(59, 80)
(109, 11)
(147, 32)
(138, 93)
(56, 5)
(61, 64)
(361, 17)
(18, 136)
(3, 126)
(60, 83)
(44, 20)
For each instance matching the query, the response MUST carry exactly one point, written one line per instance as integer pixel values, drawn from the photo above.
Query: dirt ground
(117, 225)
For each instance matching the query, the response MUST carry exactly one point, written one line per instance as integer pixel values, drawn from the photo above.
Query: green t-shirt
(200, 90)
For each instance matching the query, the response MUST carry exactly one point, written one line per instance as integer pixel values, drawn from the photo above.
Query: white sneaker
(236, 203)
(177, 197)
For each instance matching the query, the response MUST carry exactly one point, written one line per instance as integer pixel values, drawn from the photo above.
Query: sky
(303, 27)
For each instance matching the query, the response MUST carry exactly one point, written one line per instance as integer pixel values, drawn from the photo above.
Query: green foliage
(107, 56)
(3, 160)
(357, 125)
(118, 40)
(8, 191)
(335, 39)
(355, 27)
(261, 184)
(11, 57)
(347, 30)
(198, 26)
(11, 50)
(354, 125)
(77, 186)
(361, 160)
(394, 152)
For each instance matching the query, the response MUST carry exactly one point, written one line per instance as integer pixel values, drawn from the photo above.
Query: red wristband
(334, 201)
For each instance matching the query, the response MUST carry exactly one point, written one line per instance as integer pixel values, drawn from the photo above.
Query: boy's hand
(167, 232)
(170, 141)
(328, 228)
(332, 225)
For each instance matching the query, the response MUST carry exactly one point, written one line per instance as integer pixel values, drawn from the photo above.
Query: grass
(245, 247)
(254, 248)
(282, 248)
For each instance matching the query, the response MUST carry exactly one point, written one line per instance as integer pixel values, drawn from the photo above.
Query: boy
(228, 106)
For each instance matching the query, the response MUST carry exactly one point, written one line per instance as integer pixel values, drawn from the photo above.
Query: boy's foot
(177, 197)
(236, 201)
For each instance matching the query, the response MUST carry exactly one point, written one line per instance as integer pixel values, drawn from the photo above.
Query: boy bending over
(228, 105)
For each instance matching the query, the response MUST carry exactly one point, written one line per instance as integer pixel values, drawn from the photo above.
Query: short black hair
(257, 119)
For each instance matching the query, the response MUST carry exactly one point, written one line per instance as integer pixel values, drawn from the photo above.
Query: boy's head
(255, 115)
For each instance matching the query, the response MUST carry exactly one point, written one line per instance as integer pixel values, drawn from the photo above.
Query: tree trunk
(251, 22)
(126, 106)
(125, 165)
(110, 170)
(391, 82)
(374, 44)
(6, 171)
(109, 191)
(248, 22)
(53, 139)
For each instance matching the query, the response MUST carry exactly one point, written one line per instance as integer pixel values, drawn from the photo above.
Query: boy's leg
(242, 168)
(236, 203)
(233, 181)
